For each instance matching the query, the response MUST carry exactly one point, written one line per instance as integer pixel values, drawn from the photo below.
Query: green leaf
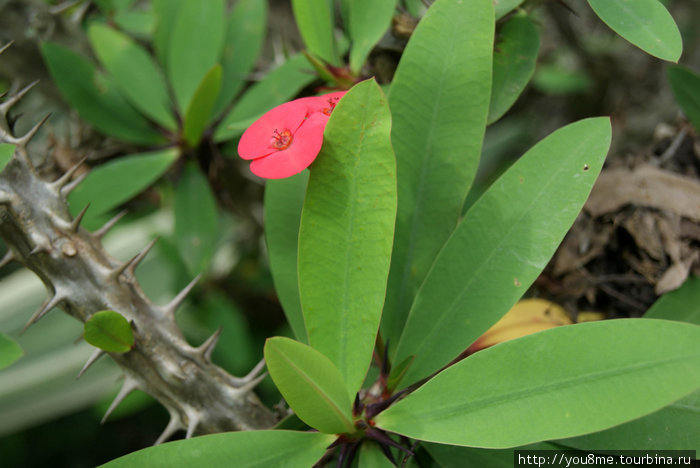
(503, 7)
(244, 39)
(453, 455)
(279, 86)
(6, 152)
(134, 73)
(685, 85)
(369, 20)
(645, 23)
(10, 351)
(315, 23)
(199, 112)
(196, 219)
(513, 63)
(310, 383)
(683, 304)
(109, 331)
(284, 199)
(439, 100)
(139, 23)
(195, 45)
(247, 449)
(95, 97)
(502, 244)
(371, 456)
(674, 427)
(561, 382)
(347, 227)
(165, 12)
(111, 184)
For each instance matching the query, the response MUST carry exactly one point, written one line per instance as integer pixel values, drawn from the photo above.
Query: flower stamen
(281, 141)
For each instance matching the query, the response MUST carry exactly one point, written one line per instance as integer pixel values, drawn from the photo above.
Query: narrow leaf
(513, 63)
(674, 427)
(315, 23)
(454, 455)
(683, 304)
(95, 97)
(371, 456)
(549, 385)
(346, 232)
(279, 86)
(310, 383)
(199, 112)
(6, 152)
(10, 351)
(246, 449)
(245, 33)
(109, 331)
(196, 220)
(685, 85)
(195, 45)
(504, 241)
(165, 12)
(645, 23)
(284, 199)
(134, 73)
(439, 100)
(369, 20)
(111, 184)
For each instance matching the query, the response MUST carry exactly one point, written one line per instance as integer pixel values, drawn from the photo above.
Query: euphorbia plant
(374, 261)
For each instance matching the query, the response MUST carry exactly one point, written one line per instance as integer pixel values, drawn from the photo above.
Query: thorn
(69, 187)
(387, 453)
(357, 405)
(172, 306)
(134, 262)
(381, 437)
(249, 386)
(62, 181)
(48, 304)
(75, 224)
(194, 421)
(206, 348)
(170, 429)
(128, 386)
(91, 360)
(24, 140)
(14, 99)
(4, 48)
(252, 375)
(9, 256)
(100, 233)
(376, 408)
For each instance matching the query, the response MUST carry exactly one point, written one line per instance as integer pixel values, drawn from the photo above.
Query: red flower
(287, 139)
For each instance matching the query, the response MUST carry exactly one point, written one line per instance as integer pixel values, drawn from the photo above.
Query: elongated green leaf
(199, 112)
(134, 73)
(645, 23)
(513, 63)
(10, 351)
(549, 385)
(6, 152)
(503, 7)
(369, 20)
(683, 304)
(345, 237)
(244, 39)
(371, 456)
(111, 184)
(196, 220)
(277, 87)
(248, 449)
(284, 199)
(685, 85)
(95, 97)
(165, 12)
(504, 241)
(315, 23)
(195, 45)
(454, 455)
(310, 383)
(109, 331)
(674, 427)
(439, 100)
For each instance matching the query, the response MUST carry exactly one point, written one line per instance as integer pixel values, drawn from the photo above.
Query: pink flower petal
(256, 140)
(298, 156)
(327, 102)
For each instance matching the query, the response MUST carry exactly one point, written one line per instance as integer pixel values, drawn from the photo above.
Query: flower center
(281, 141)
(331, 105)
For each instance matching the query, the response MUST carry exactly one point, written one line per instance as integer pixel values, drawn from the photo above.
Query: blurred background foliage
(179, 179)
